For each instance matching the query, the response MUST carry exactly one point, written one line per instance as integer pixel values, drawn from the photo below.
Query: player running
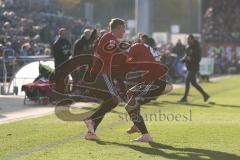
(144, 53)
(106, 48)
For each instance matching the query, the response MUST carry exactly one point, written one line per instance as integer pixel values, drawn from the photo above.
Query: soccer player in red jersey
(144, 53)
(106, 48)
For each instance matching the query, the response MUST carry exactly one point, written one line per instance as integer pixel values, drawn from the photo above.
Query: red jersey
(140, 52)
(105, 50)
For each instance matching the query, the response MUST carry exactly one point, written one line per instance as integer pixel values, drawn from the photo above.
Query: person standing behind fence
(192, 60)
(61, 48)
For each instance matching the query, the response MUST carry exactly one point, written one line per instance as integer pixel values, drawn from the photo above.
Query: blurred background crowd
(221, 22)
(29, 28)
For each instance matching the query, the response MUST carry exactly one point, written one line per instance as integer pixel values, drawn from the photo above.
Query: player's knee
(131, 106)
(194, 83)
(114, 101)
(128, 108)
(129, 93)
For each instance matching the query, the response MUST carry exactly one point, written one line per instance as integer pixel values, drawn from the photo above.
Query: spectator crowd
(29, 29)
(221, 22)
(221, 25)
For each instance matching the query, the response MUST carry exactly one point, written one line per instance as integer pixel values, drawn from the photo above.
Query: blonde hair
(115, 22)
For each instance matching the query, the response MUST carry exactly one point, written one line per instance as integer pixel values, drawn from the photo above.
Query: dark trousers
(108, 96)
(191, 78)
(138, 120)
(133, 109)
(106, 106)
(133, 105)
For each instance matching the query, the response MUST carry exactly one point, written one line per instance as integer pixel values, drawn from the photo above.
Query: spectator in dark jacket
(61, 48)
(192, 60)
(85, 44)
(179, 49)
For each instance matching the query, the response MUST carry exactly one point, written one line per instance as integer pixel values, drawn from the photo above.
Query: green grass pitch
(194, 131)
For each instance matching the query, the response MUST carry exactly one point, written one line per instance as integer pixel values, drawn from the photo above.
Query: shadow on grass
(210, 104)
(157, 149)
(188, 104)
(153, 103)
(94, 109)
(224, 105)
(178, 94)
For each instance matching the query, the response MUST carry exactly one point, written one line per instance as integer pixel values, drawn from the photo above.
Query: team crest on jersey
(110, 46)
